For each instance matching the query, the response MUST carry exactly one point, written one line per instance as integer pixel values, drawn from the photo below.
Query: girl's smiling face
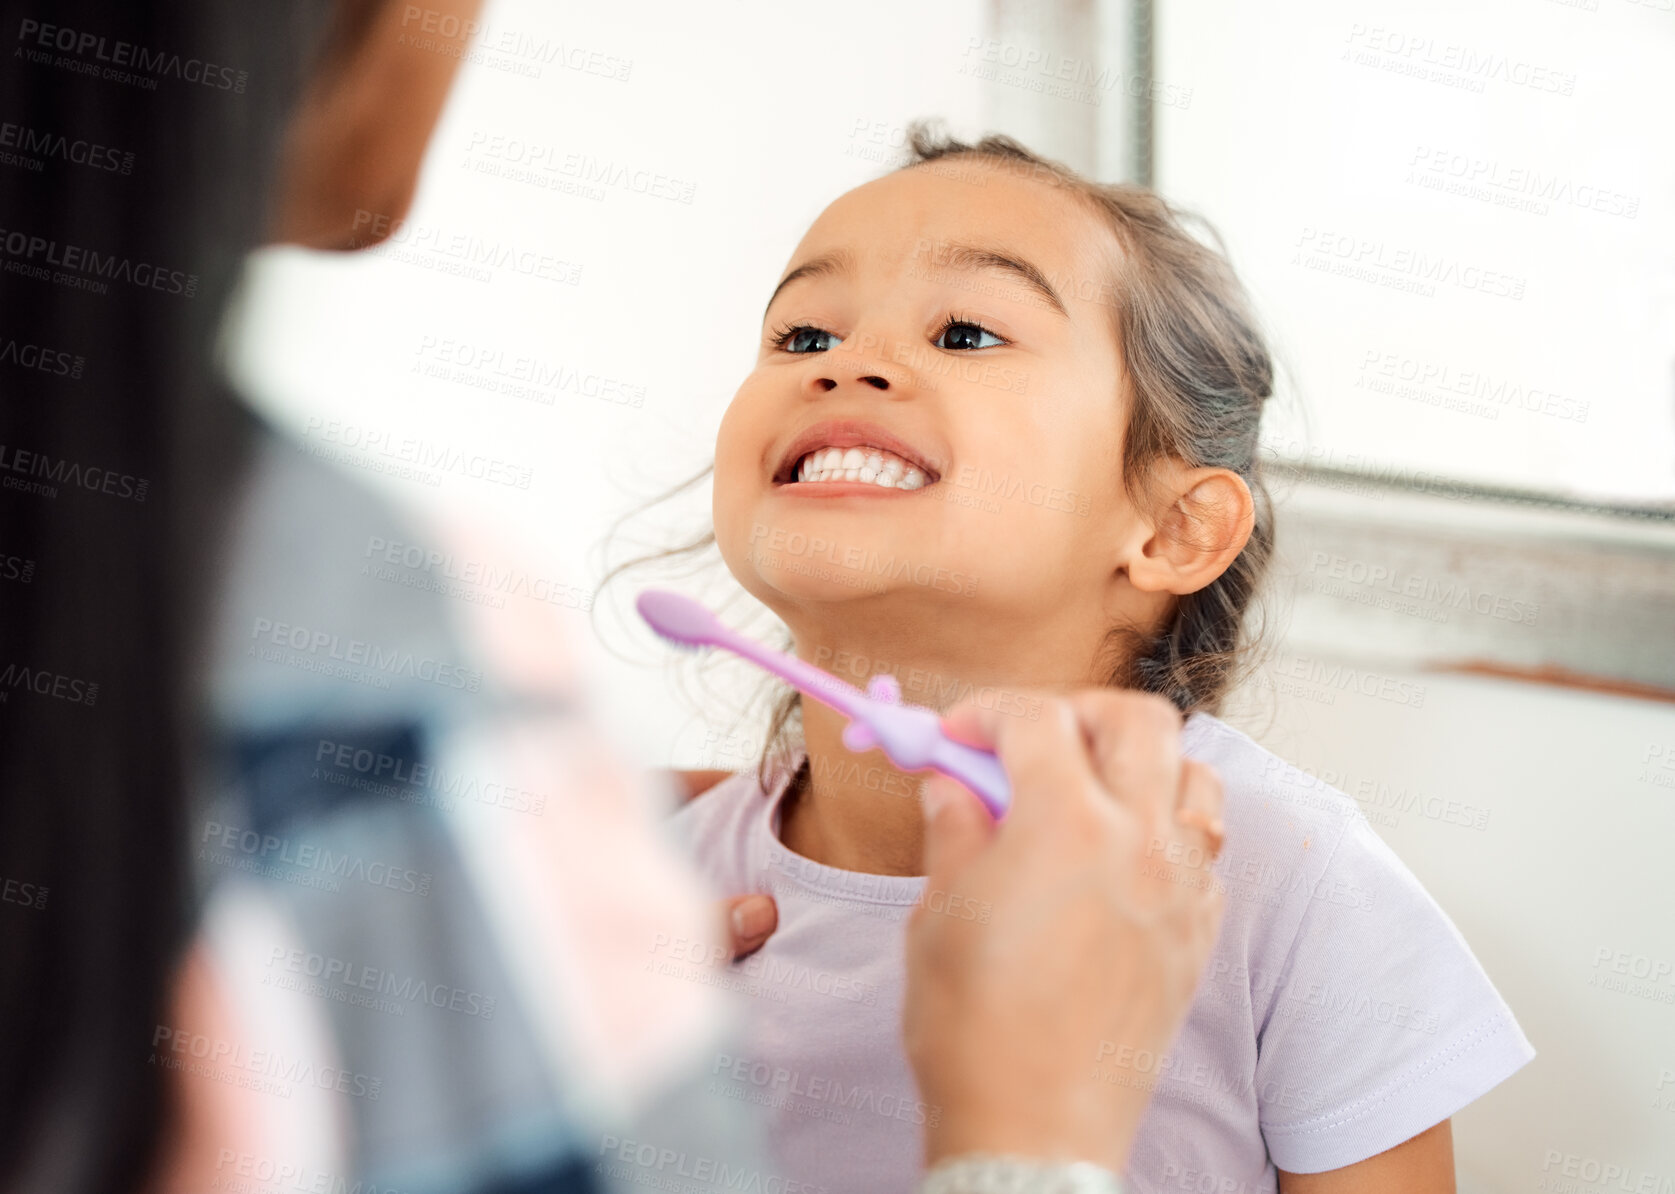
(934, 425)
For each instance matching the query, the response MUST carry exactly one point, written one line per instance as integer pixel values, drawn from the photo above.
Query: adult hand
(1050, 946)
(749, 920)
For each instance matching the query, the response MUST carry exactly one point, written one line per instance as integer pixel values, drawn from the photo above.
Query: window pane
(1459, 221)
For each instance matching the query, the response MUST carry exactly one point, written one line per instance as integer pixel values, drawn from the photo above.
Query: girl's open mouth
(875, 466)
(854, 455)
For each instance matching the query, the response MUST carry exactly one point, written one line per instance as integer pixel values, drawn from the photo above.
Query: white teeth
(872, 466)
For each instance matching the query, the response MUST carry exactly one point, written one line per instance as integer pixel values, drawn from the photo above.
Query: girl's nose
(864, 360)
(871, 379)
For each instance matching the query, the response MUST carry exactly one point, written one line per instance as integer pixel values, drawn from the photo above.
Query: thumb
(957, 826)
(748, 921)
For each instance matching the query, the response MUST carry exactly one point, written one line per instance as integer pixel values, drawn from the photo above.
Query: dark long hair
(139, 138)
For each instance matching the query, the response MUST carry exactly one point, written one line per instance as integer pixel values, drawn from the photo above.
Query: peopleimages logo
(642, 1163)
(44, 683)
(1346, 679)
(264, 850)
(429, 569)
(1399, 267)
(518, 375)
(781, 1085)
(360, 653)
(252, 1173)
(1443, 593)
(79, 151)
(55, 362)
(373, 767)
(66, 472)
(551, 166)
(266, 1063)
(18, 568)
(34, 36)
(462, 253)
(86, 268)
(503, 49)
(335, 973)
(853, 565)
(382, 451)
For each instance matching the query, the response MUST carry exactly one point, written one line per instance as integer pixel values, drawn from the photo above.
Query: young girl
(1002, 436)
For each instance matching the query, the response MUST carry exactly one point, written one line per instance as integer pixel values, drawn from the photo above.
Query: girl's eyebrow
(974, 257)
(839, 261)
(948, 256)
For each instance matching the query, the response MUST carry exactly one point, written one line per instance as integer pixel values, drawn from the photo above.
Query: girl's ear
(1202, 530)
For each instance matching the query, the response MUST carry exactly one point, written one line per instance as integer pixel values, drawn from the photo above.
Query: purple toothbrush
(910, 735)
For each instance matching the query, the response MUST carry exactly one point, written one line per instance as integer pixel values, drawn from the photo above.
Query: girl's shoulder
(1293, 842)
(1266, 796)
(729, 798)
(725, 827)
(1370, 1012)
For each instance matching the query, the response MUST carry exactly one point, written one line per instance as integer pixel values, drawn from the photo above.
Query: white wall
(1568, 878)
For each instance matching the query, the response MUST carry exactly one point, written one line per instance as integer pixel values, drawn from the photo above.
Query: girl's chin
(782, 578)
(807, 558)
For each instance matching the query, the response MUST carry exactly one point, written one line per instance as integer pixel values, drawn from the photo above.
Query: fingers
(1136, 743)
(1198, 816)
(1135, 740)
(970, 723)
(749, 920)
(1051, 750)
(957, 827)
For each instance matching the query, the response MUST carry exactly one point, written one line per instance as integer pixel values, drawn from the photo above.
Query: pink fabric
(572, 871)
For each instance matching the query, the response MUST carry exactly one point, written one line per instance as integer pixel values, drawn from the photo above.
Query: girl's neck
(859, 812)
(855, 812)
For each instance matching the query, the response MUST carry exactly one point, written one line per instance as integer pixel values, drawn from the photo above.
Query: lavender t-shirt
(1340, 1014)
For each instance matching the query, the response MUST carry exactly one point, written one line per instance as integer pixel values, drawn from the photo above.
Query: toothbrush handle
(978, 770)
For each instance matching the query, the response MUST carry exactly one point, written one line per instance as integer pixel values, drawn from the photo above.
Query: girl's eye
(806, 339)
(963, 336)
